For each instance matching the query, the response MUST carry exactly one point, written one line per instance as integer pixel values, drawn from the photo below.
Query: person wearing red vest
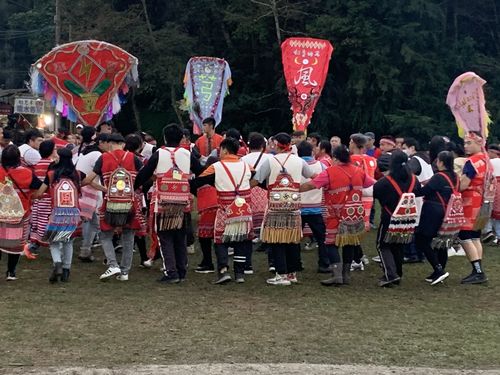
(42, 206)
(210, 140)
(104, 167)
(341, 180)
(357, 147)
(472, 188)
(24, 182)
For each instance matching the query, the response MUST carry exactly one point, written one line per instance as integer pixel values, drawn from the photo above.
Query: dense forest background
(390, 72)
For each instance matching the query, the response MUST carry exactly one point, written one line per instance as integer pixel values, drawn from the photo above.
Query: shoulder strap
(15, 183)
(397, 188)
(231, 178)
(454, 188)
(258, 159)
(283, 169)
(172, 157)
(122, 159)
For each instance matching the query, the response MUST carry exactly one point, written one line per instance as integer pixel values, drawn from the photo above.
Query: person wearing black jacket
(391, 254)
(436, 193)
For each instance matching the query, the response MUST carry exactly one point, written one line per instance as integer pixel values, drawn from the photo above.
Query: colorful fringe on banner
(206, 82)
(305, 64)
(85, 81)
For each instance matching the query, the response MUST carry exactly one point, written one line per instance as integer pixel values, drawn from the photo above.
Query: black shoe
(488, 237)
(239, 278)
(88, 259)
(53, 276)
(204, 269)
(65, 275)
(439, 277)
(169, 280)
(383, 281)
(223, 278)
(430, 277)
(475, 278)
(413, 260)
(324, 269)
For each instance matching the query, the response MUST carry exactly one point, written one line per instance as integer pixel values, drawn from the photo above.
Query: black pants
(436, 257)
(141, 245)
(206, 251)
(241, 251)
(286, 257)
(358, 253)
(174, 252)
(348, 253)
(188, 224)
(318, 228)
(12, 260)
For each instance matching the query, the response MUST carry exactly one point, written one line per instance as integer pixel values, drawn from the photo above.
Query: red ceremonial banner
(87, 76)
(305, 64)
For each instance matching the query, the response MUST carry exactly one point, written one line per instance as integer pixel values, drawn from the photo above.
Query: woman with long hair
(63, 182)
(23, 181)
(388, 192)
(436, 193)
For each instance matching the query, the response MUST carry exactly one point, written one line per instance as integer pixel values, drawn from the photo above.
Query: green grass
(88, 322)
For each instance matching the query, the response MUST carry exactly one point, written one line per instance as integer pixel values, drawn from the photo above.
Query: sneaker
(239, 278)
(122, 277)
(148, 263)
(279, 280)
(495, 241)
(230, 251)
(256, 240)
(223, 278)
(111, 271)
(292, 277)
(383, 281)
(488, 237)
(248, 271)
(204, 269)
(357, 266)
(190, 249)
(10, 276)
(373, 226)
(440, 277)
(365, 260)
(272, 269)
(118, 248)
(95, 244)
(377, 259)
(169, 279)
(452, 252)
(430, 278)
(475, 278)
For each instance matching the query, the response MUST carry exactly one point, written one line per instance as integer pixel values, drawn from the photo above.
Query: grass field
(87, 322)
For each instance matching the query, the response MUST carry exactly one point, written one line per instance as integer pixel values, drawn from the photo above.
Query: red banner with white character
(305, 64)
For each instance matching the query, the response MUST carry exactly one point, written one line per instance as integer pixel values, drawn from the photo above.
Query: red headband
(388, 141)
(284, 147)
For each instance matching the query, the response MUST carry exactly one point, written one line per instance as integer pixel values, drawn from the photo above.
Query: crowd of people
(280, 194)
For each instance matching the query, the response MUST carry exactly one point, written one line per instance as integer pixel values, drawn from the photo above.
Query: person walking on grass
(436, 193)
(397, 222)
(63, 182)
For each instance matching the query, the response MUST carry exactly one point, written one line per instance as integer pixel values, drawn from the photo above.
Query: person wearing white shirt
(29, 150)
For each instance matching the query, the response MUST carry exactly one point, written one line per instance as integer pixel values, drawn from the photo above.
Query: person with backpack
(442, 204)
(117, 169)
(282, 225)
(343, 183)
(17, 184)
(398, 218)
(233, 221)
(63, 182)
(41, 208)
(171, 167)
(476, 211)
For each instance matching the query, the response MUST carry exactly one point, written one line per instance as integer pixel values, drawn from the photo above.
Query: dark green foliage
(392, 65)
